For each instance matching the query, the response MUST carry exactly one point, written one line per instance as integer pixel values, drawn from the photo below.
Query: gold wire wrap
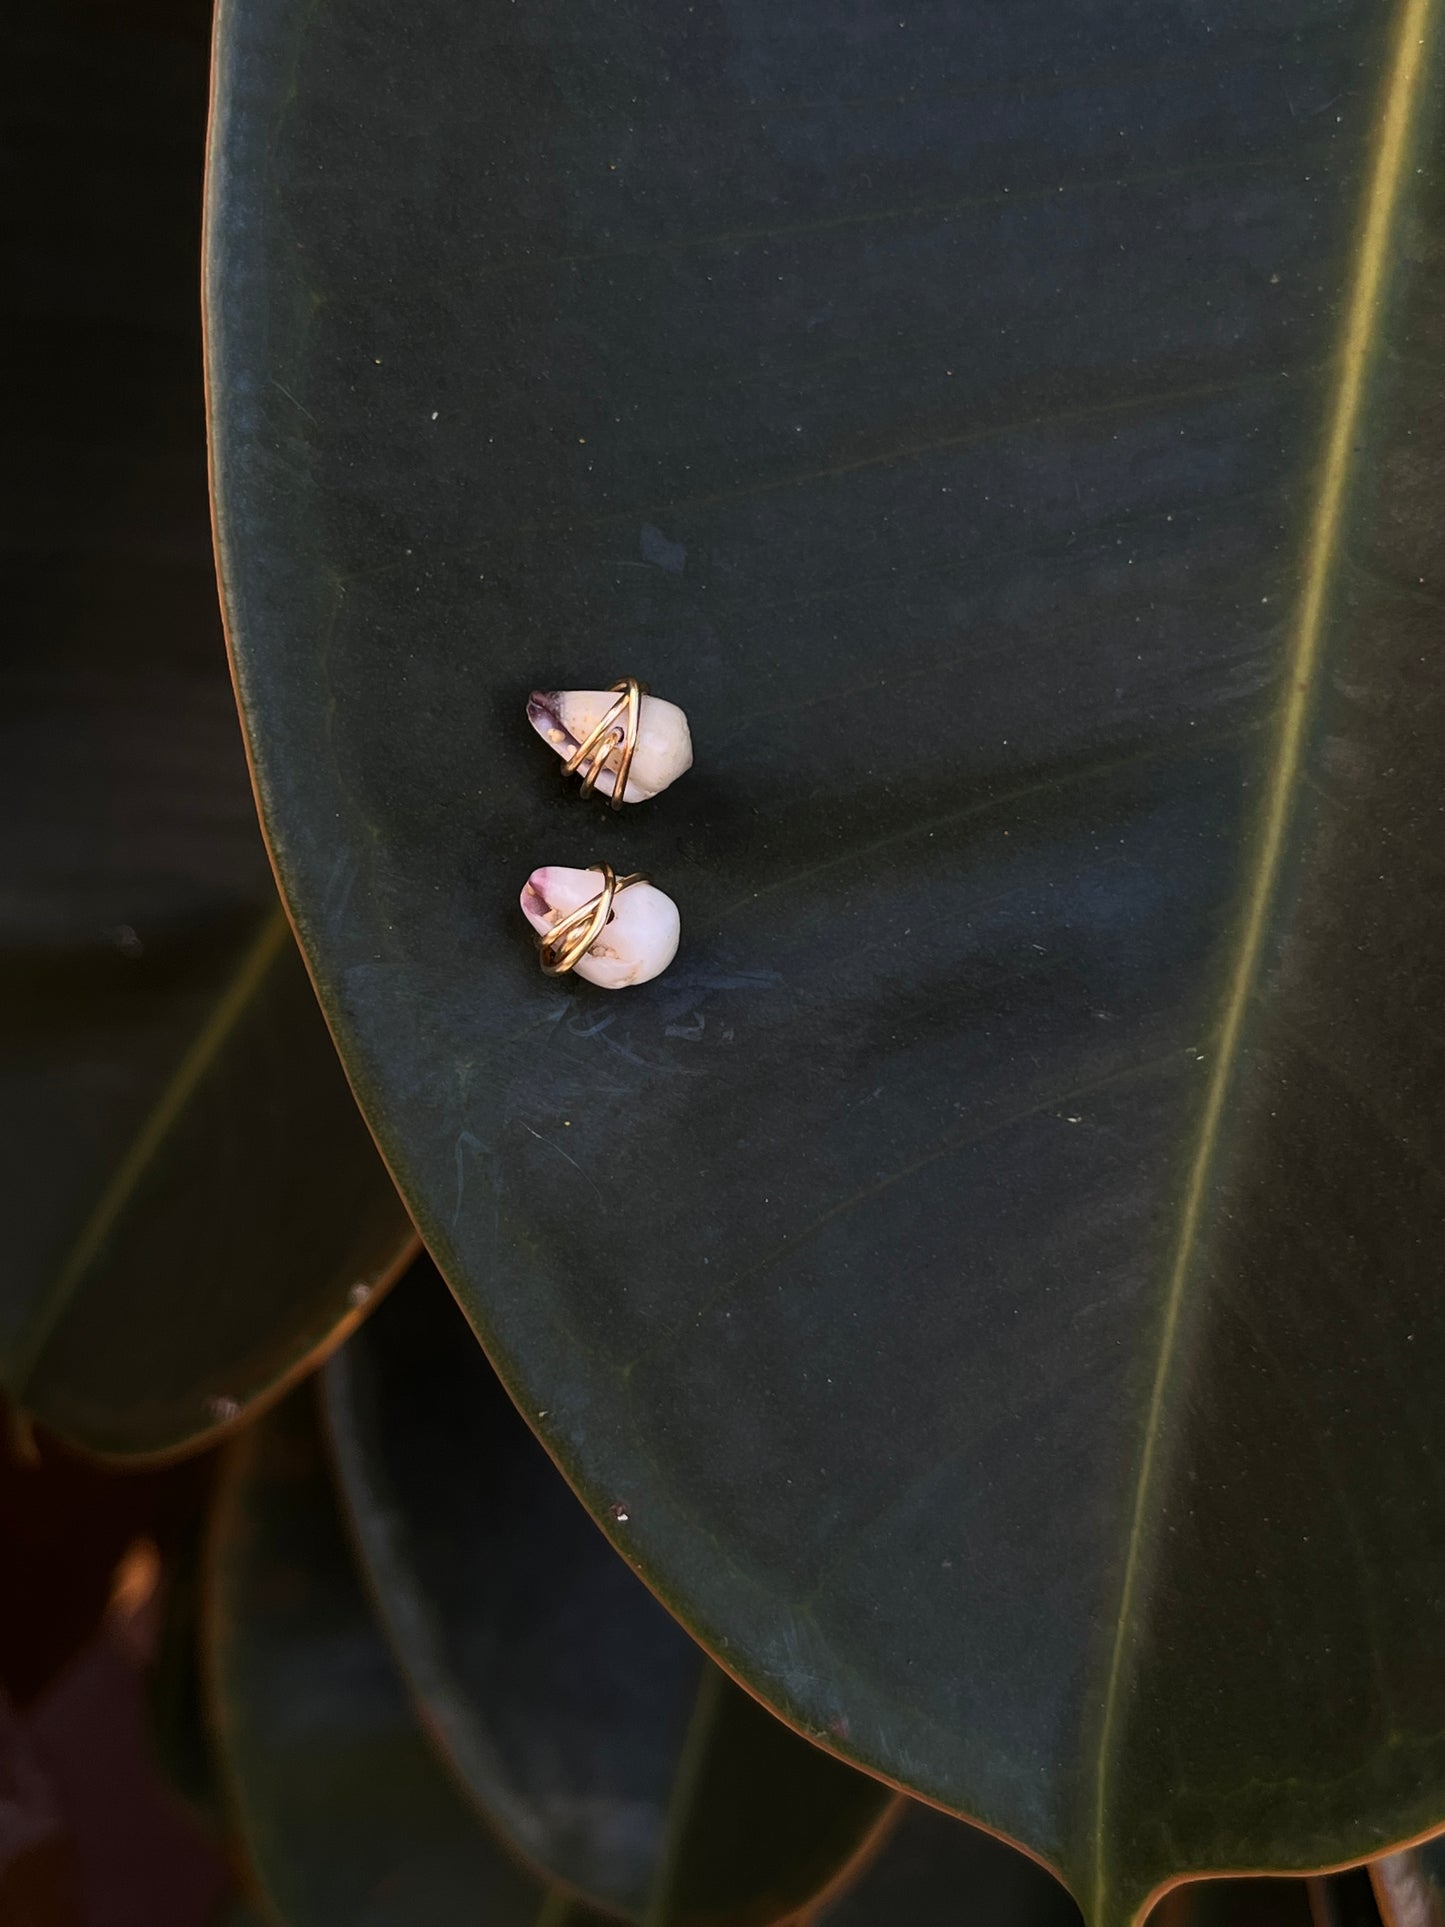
(619, 723)
(564, 946)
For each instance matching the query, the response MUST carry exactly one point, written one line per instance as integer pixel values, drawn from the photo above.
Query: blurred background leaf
(241, 1913)
(176, 1713)
(1410, 1886)
(935, 1871)
(344, 1809)
(198, 1208)
(575, 1709)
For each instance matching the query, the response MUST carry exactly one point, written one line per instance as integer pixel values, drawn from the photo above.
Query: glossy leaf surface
(997, 1267)
(345, 1813)
(586, 1723)
(192, 1196)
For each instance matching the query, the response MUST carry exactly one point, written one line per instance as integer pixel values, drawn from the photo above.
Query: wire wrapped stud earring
(624, 933)
(621, 741)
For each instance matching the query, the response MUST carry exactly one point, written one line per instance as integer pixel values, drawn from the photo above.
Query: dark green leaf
(240, 1913)
(998, 1265)
(571, 1704)
(194, 1199)
(758, 1821)
(344, 1811)
(175, 1701)
(933, 1871)
(243, 1226)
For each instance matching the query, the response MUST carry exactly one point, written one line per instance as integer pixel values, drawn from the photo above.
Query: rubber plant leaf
(588, 1727)
(996, 1268)
(196, 1208)
(343, 1810)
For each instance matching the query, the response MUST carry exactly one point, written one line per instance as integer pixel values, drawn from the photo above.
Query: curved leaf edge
(393, 1633)
(225, 1432)
(270, 944)
(255, 1899)
(225, 1494)
(869, 1845)
(433, 1236)
(1371, 1863)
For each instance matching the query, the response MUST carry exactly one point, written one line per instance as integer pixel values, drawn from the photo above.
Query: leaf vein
(1321, 559)
(251, 973)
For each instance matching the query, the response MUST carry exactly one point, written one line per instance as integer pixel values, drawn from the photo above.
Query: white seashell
(638, 941)
(565, 718)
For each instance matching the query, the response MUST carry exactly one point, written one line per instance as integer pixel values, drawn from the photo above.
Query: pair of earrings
(630, 746)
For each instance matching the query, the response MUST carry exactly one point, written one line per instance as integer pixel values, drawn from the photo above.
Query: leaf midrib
(1360, 338)
(201, 1054)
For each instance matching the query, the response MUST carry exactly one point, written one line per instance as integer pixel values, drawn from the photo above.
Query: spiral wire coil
(595, 751)
(564, 946)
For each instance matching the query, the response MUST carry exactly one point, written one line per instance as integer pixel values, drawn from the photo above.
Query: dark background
(104, 541)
